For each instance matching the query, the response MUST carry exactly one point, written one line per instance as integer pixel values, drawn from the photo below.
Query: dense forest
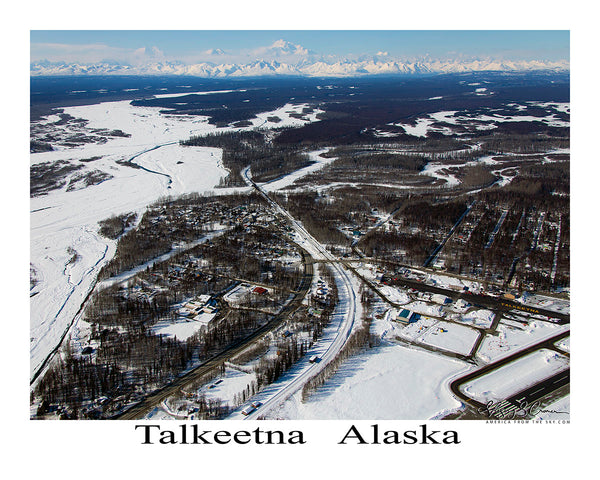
(241, 149)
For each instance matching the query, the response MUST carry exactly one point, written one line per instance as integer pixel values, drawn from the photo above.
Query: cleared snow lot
(394, 295)
(182, 329)
(415, 331)
(482, 318)
(512, 335)
(425, 308)
(440, 334)
(451, 337)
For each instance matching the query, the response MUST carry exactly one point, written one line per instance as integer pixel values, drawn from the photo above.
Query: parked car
(248, 410)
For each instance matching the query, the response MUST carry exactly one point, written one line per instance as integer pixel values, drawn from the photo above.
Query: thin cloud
(93, 53)
(280, 50)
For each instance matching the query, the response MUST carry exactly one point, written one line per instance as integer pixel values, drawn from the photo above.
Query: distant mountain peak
(215, 51)
(288, 48)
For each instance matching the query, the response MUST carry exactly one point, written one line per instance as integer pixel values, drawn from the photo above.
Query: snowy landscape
(320, 293)
(64, 223)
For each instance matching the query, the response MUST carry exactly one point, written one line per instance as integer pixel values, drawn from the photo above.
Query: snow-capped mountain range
(310, 69)
(283, 58)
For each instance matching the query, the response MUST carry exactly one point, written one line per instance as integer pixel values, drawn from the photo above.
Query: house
(259, 290)
(403, 316)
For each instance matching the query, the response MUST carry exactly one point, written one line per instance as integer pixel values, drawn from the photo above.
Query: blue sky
(193, 46)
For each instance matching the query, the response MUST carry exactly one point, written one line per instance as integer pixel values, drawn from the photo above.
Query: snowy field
(512, 335)
(431, 122)
(223, 388)
(516, 376)
(319, 162)
(387, 382)
(564, 344)
(66, 250)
